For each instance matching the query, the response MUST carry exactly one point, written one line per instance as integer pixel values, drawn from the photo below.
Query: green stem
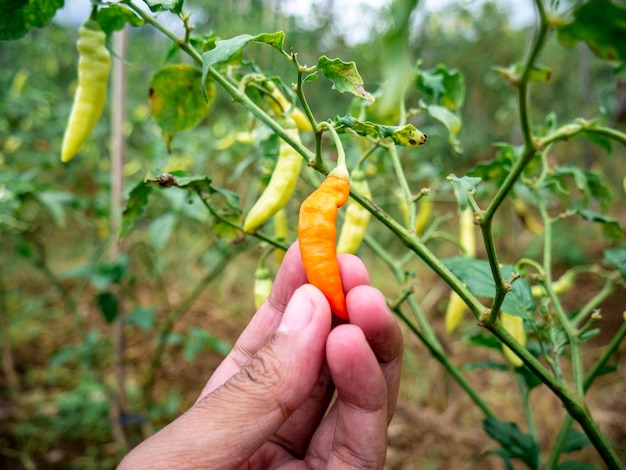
(606, 355)
(593, 303)
(440, 355)
(231, 224)
(404, 185)
(570, 331)
(341, 154)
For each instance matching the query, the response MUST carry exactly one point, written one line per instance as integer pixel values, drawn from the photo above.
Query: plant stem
(404, 185)
(440, 355)
(570, 331)
(596, 300)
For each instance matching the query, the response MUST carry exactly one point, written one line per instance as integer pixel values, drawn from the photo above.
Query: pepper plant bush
(516, 300)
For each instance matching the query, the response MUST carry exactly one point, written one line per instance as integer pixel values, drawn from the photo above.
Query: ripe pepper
(467, 239)
(357, 217)
(280, 187)
(94, 64)
(515, 326)
(262, 283)
(317, 234)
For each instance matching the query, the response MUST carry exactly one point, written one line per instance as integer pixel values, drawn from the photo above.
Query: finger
(359, 417)
(235, 420)
(290, 276)
(296, 433)
(368, 309)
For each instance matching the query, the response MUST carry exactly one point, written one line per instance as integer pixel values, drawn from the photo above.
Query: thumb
(236, 419)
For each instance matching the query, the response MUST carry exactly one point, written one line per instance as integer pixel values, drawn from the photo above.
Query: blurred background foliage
(59, 287)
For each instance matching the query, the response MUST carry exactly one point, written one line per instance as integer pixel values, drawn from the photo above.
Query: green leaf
(462, 186)
(451, 120)
(488, 364)
(407, 135)
(616, 257)
(515, 443)
(344, 77)
(476, 275)
(199, 340)
(573, 465)
(174, 92)
(116, 17)
(109, 306)
(137, 201)
(610, 226)
(175, 6)
(142, 317)
(485, 341)
(575, 440)
(600, 24)
(442, 87)
(161, 229)
(589, 183)
(55, 202)
(225, 49)
(528, 378)
(20, 16)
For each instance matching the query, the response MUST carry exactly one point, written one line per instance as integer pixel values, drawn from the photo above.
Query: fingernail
(298, 313)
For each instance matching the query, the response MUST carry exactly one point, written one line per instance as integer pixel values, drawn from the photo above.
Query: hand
(267, 403)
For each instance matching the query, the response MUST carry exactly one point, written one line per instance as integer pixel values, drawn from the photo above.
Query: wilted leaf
(407, 135)
(600, 24)
(344, 77)
(175, 98)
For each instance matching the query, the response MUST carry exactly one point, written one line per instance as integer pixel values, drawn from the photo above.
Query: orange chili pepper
(317, 233)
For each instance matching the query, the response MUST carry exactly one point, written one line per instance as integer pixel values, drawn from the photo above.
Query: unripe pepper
(280, 187)
(562, 285)
(280, 232)
(515, 326)
(467, 239)
(262, 283)
(317, 237)
(94, 64)
(357, 217)
(280, 105)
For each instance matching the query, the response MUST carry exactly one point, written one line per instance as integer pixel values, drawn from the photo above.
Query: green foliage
(19, 16)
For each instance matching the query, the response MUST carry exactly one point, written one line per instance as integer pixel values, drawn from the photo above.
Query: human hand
(267, 403)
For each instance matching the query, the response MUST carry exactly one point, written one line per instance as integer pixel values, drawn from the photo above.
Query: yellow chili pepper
(562, 285)
(357, 217)
(280, 232)
(280, 187)
(262, 283)
(456, 307)
(280, 105)
(94, 64)
(424, 212)
(515, 326)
